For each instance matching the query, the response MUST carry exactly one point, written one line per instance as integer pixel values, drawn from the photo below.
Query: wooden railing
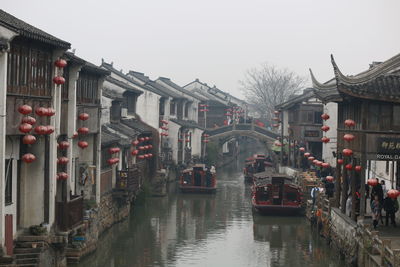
(128, 180)
(69, 214)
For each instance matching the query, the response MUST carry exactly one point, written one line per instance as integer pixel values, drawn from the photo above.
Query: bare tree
(267, 86)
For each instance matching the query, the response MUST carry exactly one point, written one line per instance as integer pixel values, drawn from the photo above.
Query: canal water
(218, 230)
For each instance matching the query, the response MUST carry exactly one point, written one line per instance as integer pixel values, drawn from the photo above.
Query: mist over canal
(210, 230)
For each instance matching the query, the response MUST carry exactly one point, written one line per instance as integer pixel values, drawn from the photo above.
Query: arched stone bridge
(236, 130)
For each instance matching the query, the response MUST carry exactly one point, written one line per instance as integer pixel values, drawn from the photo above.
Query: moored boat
(255, 164)
(198, 179)
(276, 194)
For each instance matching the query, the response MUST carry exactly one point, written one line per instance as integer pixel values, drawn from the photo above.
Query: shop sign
(388, 148)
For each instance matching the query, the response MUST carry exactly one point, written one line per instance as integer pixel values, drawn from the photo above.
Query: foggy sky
(218, 40)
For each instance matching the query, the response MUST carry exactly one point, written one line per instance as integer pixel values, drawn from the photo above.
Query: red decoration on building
(325, 165)
(50, 112)
(164, 128)
(325, 128)
(372, 182)
(112, 161)
(325, 116)
(50, 129)
(114, 150)
(164, 121)
(83, 130)
(150, 146)
(142, 148)
(325, 139)
(141, 156)
(28, 158)
(60, 63)
(147, 138)
(83, 116)
(150, 155)
(393, 193)
(134, 152)
(25, 109)
(349, 167)
(315, 161)
(349, 123)
(275, 125)
(329, 178)
(41, 129)
(59, 80)
(302, 149)
(141, 139)
(340, 161)
(348, 137)
(74, 135)
(135, 142)
(276, 112)
(311, 158)
(307, 154)
(25, 128)
(28, 119)
(41, 111)
(62, 176)
(63, 145)
(358, 168)
(29, 139)
(347, 152)
(83, 144)
(62, 160)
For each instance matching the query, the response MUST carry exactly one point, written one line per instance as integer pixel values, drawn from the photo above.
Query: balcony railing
(69, 214)
(128, 180)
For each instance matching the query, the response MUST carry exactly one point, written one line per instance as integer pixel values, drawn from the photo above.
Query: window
(131, 103)
(115, 114)
(86, 89)
(317, 117)
(8, 182)
(162, 107)
(187, 106)
(396, 115)
(172, 108)
(307, 116)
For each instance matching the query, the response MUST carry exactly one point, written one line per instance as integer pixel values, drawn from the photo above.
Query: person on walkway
(349, 205)
(391, 206)
(377, 191)
(376, 208)
(314, 193)
(383, 185)
(329, 187)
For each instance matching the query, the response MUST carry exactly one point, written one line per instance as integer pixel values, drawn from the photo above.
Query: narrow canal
(210, 230)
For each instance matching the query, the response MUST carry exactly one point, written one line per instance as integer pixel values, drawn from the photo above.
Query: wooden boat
(198, 179)
(276, 194)
(255, 164)
(248, 170)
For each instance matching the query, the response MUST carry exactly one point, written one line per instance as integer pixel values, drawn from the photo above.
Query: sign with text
(311, 134)
(388, 148)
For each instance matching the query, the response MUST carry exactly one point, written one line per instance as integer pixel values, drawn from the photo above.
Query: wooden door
(9, 240)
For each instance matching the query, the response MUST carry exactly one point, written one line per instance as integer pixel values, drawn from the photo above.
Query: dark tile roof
(26, 30)
(138, 125)
(307, 94)
(139, 75)
(86, 65)
(180, 89)
(125, 133)
(167, 92)
(187, 124)
(108, 138)
(110, 93)
(123, 85)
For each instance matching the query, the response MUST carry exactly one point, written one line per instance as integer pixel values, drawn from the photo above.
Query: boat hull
(278, 210)
(198, 189)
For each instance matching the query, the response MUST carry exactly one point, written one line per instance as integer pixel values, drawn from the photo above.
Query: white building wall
(148, 106)
(332, 110)
(196, 142)
(173, 139)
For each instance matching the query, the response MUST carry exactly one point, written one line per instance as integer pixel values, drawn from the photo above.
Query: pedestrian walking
(391, 206)
(376, 208)
(314, 193)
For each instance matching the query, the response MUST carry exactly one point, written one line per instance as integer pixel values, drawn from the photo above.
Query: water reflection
(209, 230)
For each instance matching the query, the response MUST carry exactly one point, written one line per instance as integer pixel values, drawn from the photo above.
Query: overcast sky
(218, 40)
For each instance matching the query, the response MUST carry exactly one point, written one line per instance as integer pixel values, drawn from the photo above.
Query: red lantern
(59, 80)
(62, 160)
(187, 140)
(62, 176)
(28, 158)
(74, 135)
(325, 165)
(206, 135)
(325, 128)
(41, 111)
(28, 119)
(165, 134)
(275, 125)
(135, 152)
(311, 158)
(340, 161)
(112, 161)
(347, 152)
(302, 149)
(141, 139)
(141, 157)
(372, 182)
(83, 130)
(315, 161)
(349, 123)
(275, 119)
(164, 128)
(142, 148)
(60, 63)
(164, 121)
(206, 141)
(83, 116)
(307, 154)
(329, 178)
(358, 168)
(319, 163)
(50, 112)
(348, 137)
(150, 146)
(49, 129)
(25, 109)
(83, 144)
(146, 147)
(276, 112)
(147, 138)
(325, 116)
(135, 143)
(41, 129)
(29, 139)
(25, 128)
(63, 145)
(114, 150)
(146, 156)
(349, 167)
(325, 139)
(393, 193)
(150, 155)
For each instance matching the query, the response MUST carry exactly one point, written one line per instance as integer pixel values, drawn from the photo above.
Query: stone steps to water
(27, 261)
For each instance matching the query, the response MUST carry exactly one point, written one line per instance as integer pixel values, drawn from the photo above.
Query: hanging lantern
(358, 168)
(114, 150)
(180, 140)
(228, 114)
(28, 158)
(62, 160)
(146, 147)
(307, 154)
(146, 156)
(83, 144)
(187, 140)
(28, 119)
(25, 128)
(112, 161)
(347, 152)
(329, 178)
(134, 152)
(63, 145)
(164, 128)
(59, 80)
(372, 182)
(141, 139)
(348, 137)
(25, 109)
(41, 129)
(50, 112)
(275, 125)
(62, 176)
(50, 129)
(319, 163)
(325, 116)
(83, 116)
(349, 123)
(315, 161)
(325, 139)
(311, 158)
(150, 146)
(141, 148)
(206, 141)
(164, 121)
(41, 111)
(393, 193)
(165, 134)
(150, 155)
(302, 149)
(135, 142)
(29, 139)
(83, 130)
(275, 119)
(74, 135)
(325, 165)
(60, 63)
(141, 156)
(349, 167)
(340, 161)
(276, 112)
(147, 138)
(325, 128)
(206, 135)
